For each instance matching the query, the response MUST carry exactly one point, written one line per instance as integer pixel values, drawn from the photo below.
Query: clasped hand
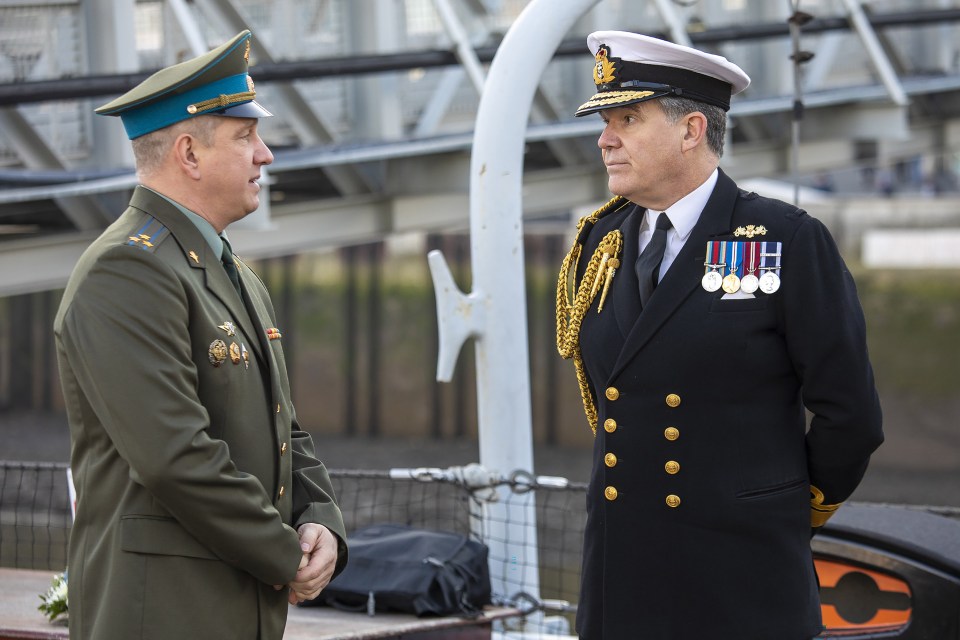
(319, 560)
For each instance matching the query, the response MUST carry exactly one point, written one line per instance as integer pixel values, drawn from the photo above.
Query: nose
(607, 138)
(263, 154)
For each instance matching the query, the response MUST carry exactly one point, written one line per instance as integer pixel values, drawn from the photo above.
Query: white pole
(495, 311)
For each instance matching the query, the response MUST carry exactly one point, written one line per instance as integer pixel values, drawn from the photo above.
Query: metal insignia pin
(193, 256)
(228, 327)
(234, 353)
(245, 355)
(751, 230)
(217, 352)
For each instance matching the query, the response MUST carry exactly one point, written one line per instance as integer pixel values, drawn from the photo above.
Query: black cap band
(670, 81)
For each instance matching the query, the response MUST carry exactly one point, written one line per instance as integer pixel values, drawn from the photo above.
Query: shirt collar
(203, 226)
(686, 211)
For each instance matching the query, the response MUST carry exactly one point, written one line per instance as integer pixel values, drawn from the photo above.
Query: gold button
(281, 491)
(609, 425)
(673, 401)
(610, 460)
(672, 467)
(283, 448)
(278, 407)
(612, 393)
(671, 433)
(673, 501)
(610, 493)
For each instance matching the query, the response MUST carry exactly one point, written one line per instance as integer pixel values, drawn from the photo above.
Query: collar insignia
(193, 256)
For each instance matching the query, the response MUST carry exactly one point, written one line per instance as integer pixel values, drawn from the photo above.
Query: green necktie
(229, 265)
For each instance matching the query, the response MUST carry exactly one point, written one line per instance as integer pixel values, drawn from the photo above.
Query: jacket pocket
(729, 305)
(160, 536)
(774, 490)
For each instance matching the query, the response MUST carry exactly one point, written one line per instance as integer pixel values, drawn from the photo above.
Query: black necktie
(229, 265)
(648, 264)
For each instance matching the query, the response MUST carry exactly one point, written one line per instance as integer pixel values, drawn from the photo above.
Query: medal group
(734, 266)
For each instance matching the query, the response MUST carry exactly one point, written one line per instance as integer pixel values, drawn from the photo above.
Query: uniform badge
(605, 70)
(731, 281)
(742, 266)
(234, 353)
(149, 235)
(750, 230)
(217, 352)
(770, 266)
(193, 256)
(245, 355)
(273, 333)
(228, 327)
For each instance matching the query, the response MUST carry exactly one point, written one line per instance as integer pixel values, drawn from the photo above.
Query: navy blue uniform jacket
(733, 558)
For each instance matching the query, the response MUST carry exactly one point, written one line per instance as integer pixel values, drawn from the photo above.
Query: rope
(574, 301)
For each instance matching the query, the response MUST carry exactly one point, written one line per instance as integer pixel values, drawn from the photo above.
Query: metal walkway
(376, 102)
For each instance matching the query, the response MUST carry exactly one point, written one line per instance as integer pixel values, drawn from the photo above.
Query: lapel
(198, 254)
(258, 314)
(626, 306)
(684, 275)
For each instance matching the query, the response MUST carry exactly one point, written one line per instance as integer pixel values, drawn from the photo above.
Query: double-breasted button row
(672, 433)
(610, 459)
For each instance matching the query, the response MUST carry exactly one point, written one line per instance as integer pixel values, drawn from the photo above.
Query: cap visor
(610, 99)
(250, 109)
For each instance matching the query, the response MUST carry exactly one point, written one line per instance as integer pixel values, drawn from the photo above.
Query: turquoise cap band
(166, 111)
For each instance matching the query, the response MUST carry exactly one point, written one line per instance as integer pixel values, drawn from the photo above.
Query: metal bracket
(459, 316)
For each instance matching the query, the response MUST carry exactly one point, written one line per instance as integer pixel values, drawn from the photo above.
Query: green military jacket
(191, 470)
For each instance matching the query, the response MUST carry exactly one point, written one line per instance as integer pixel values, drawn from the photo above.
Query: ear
(185, 149)
(694, 130)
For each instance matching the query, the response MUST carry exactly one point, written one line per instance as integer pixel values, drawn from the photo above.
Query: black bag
(397, 568)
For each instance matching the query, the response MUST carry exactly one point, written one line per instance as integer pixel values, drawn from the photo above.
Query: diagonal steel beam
(861, 24)
(308, 125)
(567, 152)
(83, 211)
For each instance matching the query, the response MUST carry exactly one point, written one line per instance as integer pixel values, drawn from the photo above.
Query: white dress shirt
(683, 216)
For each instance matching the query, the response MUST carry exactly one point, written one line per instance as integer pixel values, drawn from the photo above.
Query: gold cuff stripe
(819, 512)
(612, 97)
(222, 101)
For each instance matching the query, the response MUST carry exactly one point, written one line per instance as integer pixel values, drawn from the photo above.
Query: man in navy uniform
(704, 321)
(201, 507)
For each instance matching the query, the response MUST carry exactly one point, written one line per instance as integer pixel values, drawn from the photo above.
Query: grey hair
(149, 150)
(675, 108)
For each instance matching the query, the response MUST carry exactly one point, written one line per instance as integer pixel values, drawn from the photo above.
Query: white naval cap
(632, 68)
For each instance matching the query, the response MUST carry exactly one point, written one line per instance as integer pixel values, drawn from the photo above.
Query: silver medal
(769, 282)
(711, 281)
(749, 283)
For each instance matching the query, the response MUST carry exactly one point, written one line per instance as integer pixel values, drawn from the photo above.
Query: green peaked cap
(213, 83)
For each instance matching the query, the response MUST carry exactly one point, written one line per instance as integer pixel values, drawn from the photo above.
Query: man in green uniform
(201, 507)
